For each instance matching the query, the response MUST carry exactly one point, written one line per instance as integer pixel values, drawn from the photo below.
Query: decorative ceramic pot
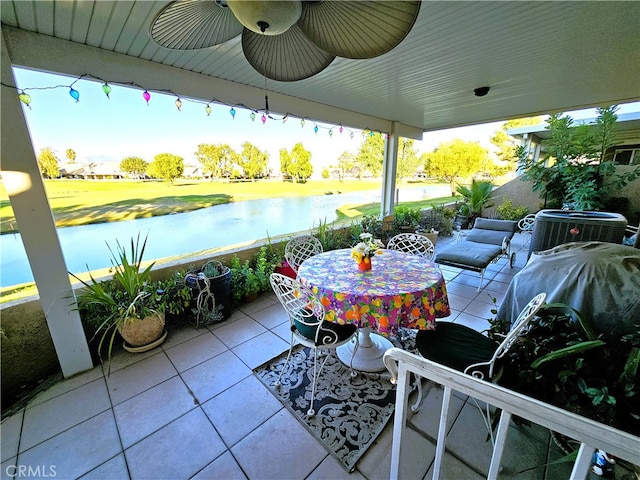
(364, 265)
(219, 285)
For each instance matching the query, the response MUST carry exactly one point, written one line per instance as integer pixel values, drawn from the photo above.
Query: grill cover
(601, 280)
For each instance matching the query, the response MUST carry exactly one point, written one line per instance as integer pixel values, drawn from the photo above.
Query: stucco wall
(27, 350)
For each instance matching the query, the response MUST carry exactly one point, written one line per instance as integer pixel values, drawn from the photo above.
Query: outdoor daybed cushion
(481, 246)
(601, 280)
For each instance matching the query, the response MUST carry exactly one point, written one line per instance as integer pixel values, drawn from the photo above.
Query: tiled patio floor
(192, 409)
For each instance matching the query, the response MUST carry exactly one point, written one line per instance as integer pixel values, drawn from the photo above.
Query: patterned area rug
(350, 412)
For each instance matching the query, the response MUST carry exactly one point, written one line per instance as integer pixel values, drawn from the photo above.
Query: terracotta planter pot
(139, 332)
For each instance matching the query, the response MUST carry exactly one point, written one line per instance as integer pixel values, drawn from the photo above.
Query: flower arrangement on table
(367, 247)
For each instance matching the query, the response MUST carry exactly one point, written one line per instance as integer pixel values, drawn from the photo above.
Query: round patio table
(401, 290)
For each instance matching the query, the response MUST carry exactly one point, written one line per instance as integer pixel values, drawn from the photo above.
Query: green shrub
(406, 217)
(439, 219)
(509, 211)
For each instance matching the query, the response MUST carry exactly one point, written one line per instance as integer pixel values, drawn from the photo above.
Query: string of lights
(265, 115)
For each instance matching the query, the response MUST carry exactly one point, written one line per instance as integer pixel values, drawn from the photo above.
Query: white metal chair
(413, 243)
(309, 327)
(465, 349)
(525, 226)
(299, 248)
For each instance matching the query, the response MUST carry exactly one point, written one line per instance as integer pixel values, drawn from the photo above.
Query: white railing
(591, 434)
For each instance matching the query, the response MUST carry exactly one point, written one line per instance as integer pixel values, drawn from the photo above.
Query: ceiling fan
(287, 40)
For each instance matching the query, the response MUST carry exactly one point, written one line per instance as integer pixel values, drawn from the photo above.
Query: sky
(101, 129)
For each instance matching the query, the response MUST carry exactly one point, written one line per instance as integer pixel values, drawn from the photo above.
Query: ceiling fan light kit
(287, 40)
(265, 16)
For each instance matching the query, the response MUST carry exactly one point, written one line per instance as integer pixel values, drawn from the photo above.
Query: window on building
(627, 156)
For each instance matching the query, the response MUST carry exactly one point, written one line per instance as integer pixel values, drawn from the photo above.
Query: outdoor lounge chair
(487, 241)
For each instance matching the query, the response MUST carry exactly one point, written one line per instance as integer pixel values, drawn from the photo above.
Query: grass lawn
(82, 202)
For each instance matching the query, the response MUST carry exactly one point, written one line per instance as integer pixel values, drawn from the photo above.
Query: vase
(142, 334)
(364, 265)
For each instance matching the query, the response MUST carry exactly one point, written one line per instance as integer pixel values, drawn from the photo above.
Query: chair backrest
(299, 248)
(303, 308)
(491, 231)
(526, 223)
(413, 243)
(518, 328)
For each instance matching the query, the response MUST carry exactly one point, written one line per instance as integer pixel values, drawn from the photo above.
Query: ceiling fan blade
(194, 24)
(287, 57)
(358, 29)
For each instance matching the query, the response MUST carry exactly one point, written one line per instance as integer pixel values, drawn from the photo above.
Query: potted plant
(438, 219)
(406, 219)
(476, 199)
(245, 284)
(130, 303)
(210, 287)
(562, 361)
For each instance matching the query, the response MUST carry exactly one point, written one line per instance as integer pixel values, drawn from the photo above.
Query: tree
(166, 166)
(253, 161)
(297, 163)
(134, 166)
(506, 144)
(217, 160)
(346, 164)
(453, 160)
(71, 155)
(370, 155)
(574, 170)
(48, 163)
(408, 160)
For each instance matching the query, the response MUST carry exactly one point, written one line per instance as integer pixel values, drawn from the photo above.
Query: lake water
(85, 247)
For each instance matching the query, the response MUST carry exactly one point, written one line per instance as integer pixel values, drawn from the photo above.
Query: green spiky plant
(477, 197)
(128, 296)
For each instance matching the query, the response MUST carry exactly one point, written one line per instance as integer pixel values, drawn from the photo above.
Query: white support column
(389, 167)
(22, 179)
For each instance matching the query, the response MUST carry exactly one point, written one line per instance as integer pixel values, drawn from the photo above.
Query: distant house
(193, 171)
(91, 171)
(71, 170)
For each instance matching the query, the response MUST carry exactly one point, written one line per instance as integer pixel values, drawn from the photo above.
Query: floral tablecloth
(401, 290)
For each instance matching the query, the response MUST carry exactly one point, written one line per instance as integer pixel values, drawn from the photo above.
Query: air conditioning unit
(555, 227)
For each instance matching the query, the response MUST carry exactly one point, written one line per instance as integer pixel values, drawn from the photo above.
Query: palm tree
(476, 198)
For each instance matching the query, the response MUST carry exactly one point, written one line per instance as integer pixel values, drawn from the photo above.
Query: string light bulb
(264, 114)
(25, 98)
(106, 88)
(74, 94)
